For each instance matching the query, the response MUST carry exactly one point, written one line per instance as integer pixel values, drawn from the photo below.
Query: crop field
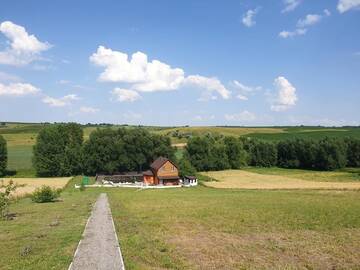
(291, 180)
(30, 184)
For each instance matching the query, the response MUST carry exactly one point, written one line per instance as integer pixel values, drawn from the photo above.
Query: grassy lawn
(50, 247)
(206, 228)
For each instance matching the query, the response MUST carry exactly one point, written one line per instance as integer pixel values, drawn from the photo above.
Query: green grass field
(194, 228)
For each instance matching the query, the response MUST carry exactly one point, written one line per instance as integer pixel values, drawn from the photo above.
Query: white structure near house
(189, 181)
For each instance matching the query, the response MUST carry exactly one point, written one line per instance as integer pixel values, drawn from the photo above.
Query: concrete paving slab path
(99, 248)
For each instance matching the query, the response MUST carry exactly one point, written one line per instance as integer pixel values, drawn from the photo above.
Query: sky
(181, 62)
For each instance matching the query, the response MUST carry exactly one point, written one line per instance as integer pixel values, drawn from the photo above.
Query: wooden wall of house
(168, 170)
(150, 180)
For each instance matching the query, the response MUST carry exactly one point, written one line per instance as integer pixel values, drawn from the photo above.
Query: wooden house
(162, 172)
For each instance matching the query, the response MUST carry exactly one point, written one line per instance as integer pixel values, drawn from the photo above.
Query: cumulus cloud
(286, 95)
(303, 24)
(85, 109)
(244, 116)
(18, 89)
(249, 17)
(346, 5)
(243, 90)
(147, 76)
(123, 95)
(23, 48)
(209, 84)
(290, 5)
(60, 102)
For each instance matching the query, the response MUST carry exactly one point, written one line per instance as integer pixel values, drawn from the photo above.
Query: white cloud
(248, 17)
(209, 84)
(145, 76)
(297, 32)
(309, 20)
(6, 77)
(60, 102)
(18, 89)
(123, 95)
(243, 90)
(346, 5)
(290, 5)
(244, 116)
(303, 24)
(85, 109)
(286, 95)
(23, 49)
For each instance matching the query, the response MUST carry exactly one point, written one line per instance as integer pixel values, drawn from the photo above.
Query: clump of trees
(58, 150)
(219, 153)
(3, 156)
(109, 150)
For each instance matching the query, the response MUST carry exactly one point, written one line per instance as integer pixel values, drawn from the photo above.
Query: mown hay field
(30, 184)
(250, 180)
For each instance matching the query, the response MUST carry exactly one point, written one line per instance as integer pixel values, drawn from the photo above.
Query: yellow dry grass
(32, 183)
(248, 180)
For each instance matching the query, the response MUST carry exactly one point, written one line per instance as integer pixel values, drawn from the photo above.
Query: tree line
(61, 151)
(219, 153)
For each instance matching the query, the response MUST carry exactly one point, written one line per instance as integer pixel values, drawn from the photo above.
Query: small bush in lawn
(5, 197)
(45, 194)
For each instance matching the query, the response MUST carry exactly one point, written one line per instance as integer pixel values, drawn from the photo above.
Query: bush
(45, 194)
(5, 197)
(57, 151)
(3, 156)
(185, 167)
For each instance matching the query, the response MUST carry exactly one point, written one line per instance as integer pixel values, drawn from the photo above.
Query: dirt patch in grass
(32, 183)
(249, 180)
(269, 250)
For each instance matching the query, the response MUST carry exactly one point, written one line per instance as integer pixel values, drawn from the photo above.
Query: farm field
(30, 184)
(287, 179)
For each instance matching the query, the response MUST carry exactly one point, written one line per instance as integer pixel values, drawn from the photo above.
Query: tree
(3, 155)
(260, 153)
(110, 151)
(185, 167)
(235, 152)
(331, 154)
(58, 150)
(353, 152)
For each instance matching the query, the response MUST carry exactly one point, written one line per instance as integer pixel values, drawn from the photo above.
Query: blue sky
(279, 62)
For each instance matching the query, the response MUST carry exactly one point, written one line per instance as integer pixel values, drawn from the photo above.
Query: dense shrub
(3, 156)
(57, 151)
(45, 194)
(109, 150)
